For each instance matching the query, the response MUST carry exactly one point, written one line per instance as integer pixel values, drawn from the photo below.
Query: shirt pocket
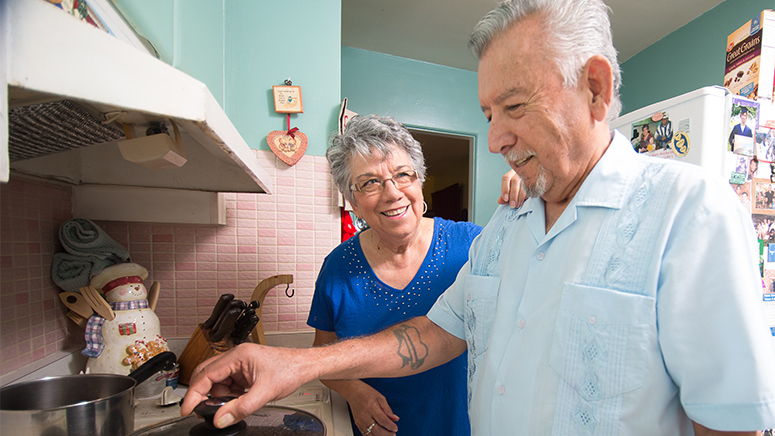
(601, 341)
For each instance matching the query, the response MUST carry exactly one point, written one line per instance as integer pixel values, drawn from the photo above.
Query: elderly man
(620, 299)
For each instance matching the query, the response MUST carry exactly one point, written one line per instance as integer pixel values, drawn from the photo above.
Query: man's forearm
(271, 373)
(404, 349)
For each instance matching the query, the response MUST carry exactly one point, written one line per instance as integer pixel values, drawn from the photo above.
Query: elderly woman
(388, 273)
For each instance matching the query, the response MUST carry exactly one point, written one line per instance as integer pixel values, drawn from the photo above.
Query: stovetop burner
(267, 421)
(313, 398)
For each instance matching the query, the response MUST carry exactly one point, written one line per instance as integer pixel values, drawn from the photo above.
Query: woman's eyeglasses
(400, 180)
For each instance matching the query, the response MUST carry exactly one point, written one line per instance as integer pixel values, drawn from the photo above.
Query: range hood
(56, 64)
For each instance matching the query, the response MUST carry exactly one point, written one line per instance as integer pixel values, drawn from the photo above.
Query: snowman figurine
(120, 345)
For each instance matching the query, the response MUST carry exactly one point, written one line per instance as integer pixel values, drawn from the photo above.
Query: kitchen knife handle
(233, 304)
(246, 312)
(243, 318)
(219, 308)
(226, 325)
(246, 329)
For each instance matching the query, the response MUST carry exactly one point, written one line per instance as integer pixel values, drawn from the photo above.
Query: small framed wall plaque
(287, 99)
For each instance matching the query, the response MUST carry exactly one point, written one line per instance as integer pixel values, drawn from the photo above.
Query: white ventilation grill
(48, 128)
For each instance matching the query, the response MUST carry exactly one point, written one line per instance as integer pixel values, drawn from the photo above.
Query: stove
(313, 397)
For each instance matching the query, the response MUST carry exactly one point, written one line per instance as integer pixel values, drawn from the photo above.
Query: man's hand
(247, 366)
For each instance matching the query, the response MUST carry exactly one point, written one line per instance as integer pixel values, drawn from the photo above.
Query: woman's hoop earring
(424, 207)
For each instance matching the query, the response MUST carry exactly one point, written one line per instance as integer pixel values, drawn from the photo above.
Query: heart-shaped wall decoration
(288, 148)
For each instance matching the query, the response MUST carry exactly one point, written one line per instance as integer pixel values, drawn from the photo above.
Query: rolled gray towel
(72, 272)
(82, 237)
(89, 251)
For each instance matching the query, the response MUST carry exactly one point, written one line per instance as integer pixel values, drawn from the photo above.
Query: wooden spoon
(153, 296)
(77, 303)
(78, 319)
(98, 303)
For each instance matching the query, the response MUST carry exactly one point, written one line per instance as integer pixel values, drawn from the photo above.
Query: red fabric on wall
(348, 229)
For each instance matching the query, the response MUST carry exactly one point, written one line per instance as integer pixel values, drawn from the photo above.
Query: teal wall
(241, 48)
(198, 43)
(428, 96)
(689, 58)
(268, 42)
(153, 20)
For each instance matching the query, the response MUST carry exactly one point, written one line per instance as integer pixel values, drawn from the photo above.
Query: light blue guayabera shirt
(642, 305)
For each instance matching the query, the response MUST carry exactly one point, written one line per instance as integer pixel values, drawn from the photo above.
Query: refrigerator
(734, 139)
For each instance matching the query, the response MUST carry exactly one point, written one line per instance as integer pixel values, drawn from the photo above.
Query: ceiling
(437, 31)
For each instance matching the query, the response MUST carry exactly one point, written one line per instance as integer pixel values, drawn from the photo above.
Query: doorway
(448, 187)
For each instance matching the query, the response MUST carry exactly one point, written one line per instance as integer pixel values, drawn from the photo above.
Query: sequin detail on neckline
(401, 301)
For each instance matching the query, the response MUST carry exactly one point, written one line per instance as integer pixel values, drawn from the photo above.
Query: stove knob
(206, 409)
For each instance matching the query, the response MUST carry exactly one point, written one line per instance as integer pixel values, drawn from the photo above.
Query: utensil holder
(198, 349)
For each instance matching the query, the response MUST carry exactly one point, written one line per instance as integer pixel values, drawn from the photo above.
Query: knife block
(198, 349)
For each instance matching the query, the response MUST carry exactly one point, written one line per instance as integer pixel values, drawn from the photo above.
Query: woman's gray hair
(576, 30)
(365, 136)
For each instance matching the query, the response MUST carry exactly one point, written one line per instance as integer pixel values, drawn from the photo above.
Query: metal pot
(76, 405)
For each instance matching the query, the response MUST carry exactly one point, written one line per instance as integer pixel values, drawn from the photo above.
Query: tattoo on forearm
(410, 347)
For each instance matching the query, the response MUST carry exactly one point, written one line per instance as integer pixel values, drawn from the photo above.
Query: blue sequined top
(351, 301)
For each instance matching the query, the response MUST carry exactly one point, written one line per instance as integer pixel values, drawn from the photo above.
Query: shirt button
(540, 256)
(501, 390)
(521, 323)
(592, 320)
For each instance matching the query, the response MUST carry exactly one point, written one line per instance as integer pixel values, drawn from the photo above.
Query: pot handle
(152, 366)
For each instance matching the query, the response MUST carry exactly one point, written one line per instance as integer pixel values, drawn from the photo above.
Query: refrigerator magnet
(681, 143)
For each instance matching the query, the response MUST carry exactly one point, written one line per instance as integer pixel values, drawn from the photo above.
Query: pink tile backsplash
(289, 232)
(32, 321)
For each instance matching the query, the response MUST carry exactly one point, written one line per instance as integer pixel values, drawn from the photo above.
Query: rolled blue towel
(82, 237)
(72, 272)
